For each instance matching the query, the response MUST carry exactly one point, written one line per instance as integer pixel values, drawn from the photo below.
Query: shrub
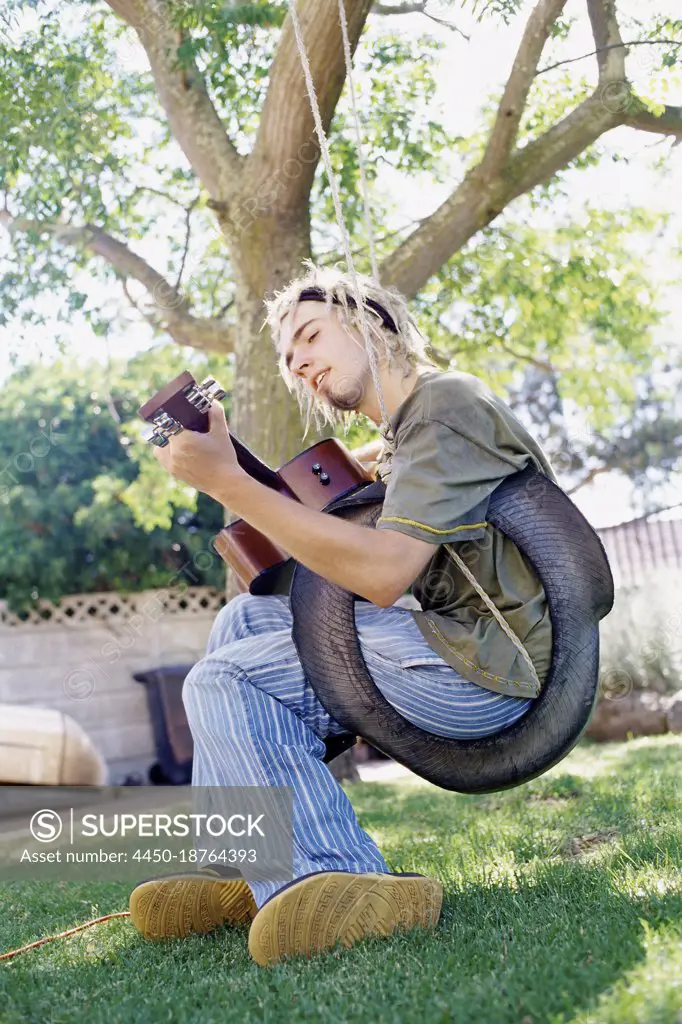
(641, 638)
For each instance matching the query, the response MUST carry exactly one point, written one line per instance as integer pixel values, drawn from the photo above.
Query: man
(448, 665)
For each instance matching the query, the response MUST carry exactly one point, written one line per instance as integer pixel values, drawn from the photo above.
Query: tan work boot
(174, 906)
(315, 912)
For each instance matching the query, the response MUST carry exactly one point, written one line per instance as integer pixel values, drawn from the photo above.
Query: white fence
(79, 656)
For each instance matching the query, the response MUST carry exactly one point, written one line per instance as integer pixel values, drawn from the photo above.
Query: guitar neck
(257, 469)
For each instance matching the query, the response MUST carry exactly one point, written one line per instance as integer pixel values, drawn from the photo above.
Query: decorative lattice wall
(79, 656)
(84, 609)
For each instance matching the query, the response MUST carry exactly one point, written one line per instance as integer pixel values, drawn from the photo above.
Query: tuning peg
(164, 426)
(212, 389)
(158, 440)
(202, 395)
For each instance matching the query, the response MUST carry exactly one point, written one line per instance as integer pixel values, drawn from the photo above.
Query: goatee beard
(347, 393)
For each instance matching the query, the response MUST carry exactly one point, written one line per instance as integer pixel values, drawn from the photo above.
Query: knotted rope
(369, 344)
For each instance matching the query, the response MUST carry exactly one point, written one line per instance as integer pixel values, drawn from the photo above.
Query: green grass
(563, 904)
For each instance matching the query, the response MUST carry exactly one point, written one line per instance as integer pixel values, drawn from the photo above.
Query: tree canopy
(73, 507)
(160, 156)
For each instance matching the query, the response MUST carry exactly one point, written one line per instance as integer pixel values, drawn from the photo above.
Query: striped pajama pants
(256, 721)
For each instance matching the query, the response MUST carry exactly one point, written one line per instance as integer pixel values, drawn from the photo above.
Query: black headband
(317, 295)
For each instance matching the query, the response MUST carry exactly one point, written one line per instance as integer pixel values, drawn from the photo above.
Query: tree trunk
(266, 253)
(265, 258)
(264, 415)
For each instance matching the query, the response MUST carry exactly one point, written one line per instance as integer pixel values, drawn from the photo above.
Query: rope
(367, 206)
(351, 267)
(503, 623)
(333, 184)
(63, 935)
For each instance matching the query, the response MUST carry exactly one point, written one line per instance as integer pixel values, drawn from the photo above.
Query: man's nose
(299, 362)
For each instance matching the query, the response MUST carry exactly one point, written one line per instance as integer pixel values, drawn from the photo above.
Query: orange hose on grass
(62, 935)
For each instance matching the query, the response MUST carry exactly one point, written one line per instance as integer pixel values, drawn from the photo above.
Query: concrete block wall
(79, 657)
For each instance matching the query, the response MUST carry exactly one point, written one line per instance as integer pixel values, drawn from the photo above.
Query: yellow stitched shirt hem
(471, 664)
(429, 529)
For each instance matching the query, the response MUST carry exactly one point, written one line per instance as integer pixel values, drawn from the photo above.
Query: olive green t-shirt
(453, 441)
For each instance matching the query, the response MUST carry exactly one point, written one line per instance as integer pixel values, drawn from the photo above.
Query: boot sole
(177, 906)
(336, 906)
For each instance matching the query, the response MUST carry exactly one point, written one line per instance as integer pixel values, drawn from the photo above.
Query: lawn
(563, 904)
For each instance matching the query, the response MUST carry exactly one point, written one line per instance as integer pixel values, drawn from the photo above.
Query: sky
(468, 71)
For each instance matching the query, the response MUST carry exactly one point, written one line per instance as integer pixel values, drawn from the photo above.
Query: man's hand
(207, 462)
(368, 454)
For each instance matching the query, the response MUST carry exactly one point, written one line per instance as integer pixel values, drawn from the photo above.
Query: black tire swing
(571, 563)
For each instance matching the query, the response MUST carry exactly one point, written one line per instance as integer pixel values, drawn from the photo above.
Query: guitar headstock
(181, 404)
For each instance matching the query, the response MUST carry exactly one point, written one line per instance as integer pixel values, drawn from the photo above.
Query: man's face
(312, 341)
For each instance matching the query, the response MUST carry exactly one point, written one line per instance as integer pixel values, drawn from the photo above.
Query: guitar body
(315, 478)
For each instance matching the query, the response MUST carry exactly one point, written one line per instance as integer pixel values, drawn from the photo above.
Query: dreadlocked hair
(406, 347)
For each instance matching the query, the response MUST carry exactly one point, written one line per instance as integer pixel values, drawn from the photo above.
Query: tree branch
(163, 195)
(608, 40)
(417, 8)
(286, 151)
(476, 202)
(413, 8)
(188, 234)
(540, 159)
(525, 357)
(170, 309)
(515, 95)
(591, 475)
(193, 119)
(479, 199)
(667, 123)
(593, 53)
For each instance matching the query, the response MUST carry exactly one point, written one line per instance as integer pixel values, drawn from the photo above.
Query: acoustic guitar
(315, 477)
